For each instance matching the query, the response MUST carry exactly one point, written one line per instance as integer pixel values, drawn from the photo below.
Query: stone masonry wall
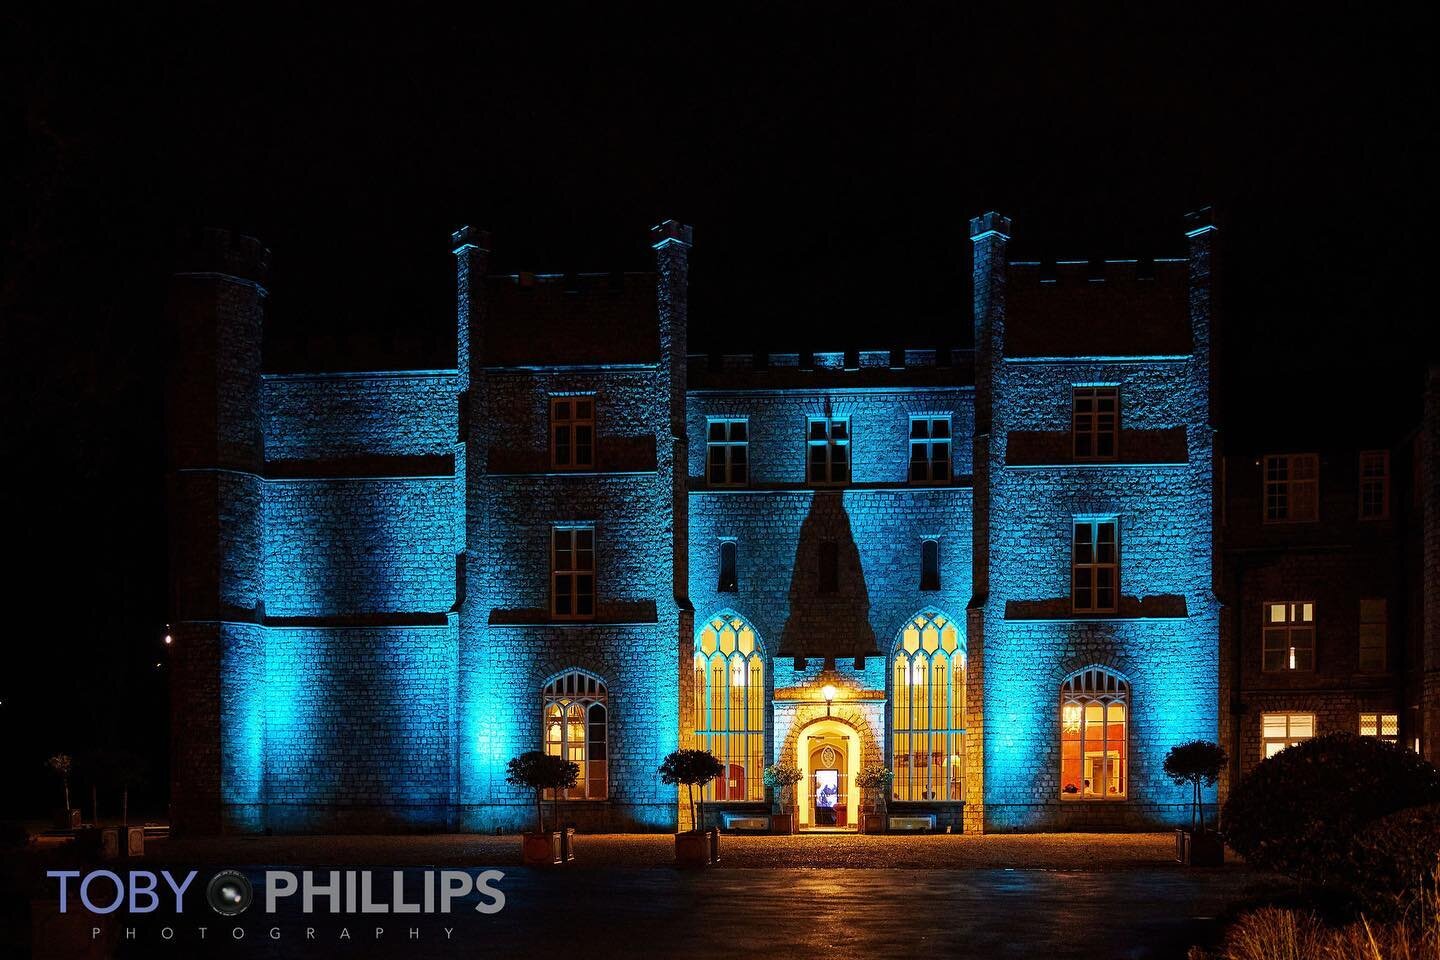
(327, 416)
(360, 546)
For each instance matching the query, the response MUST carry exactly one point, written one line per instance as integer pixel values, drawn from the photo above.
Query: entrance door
(827, 794)
(829, 780)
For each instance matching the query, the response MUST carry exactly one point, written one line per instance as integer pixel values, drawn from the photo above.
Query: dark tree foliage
(1195, 763)
(692, 768)
(540, 772)
(1299, 811)
(1393, 861)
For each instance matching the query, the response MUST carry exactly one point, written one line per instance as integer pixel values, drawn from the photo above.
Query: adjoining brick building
(992, 571)
(1330, 562)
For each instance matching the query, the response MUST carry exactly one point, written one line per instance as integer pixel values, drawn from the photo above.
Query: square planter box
(697, 848)
(1199, 849)
(782, 823)
(551, 848)
(872, 823)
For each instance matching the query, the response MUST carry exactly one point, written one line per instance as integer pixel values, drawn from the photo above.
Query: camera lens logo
(229, 893)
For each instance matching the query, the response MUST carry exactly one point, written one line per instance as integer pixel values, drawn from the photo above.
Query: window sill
(1069, 798)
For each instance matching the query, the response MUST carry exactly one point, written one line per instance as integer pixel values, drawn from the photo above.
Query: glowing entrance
(828, 754)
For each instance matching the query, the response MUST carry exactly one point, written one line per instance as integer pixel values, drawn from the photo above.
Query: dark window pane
(727, 567)
(829, 567)
(930, 565)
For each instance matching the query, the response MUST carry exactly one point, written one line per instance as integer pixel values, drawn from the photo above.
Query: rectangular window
(729, 581)
(1281, 730)
(828, 450)
(572, 573)
(1095, 567)
(1292, 487)
(930, 565)
(1386, 726)
(1373, 621)
(1289, 636)
(1095, 422)
(572, 433)
(929, 449)
(1374, 484)
(829, 572)
(727, 453)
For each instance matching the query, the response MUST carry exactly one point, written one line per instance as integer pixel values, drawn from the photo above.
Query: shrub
(540, 772)
(781, 777)
(1274, 934)
(694, 768)
(1194, 764)
(1394, 859)
(1298, 811)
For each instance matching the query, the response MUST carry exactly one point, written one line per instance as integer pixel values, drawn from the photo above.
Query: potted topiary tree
(782, 778)
(540, 772)
(694, 768)
(1195, 763)
(877, 779)
(68, 818)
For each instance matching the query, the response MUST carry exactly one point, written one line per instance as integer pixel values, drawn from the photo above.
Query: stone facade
(1362, 571)
(363, 587)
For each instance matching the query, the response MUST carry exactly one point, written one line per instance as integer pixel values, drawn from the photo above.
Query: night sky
(829, 159)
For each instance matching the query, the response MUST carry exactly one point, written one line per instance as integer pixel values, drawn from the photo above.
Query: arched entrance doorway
(828, 755)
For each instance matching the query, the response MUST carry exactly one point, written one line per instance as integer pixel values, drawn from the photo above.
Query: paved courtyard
(1085, 851)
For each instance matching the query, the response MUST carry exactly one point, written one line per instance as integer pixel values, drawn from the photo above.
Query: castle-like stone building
(993, 571)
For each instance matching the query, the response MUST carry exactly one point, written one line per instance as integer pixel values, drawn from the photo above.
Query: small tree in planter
(540, 772)
(693, 768)
(61, 764)
(1195, 763)
(877, 779)
(782, 778)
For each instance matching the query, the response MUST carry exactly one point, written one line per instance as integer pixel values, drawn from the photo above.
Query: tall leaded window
(727, 453)
(929, 449)
(572, 433)
(1281, 730)
(828, 450)
(1292, 487)
(1374, 484)
(1094, 713)
(572, 573)
(728, 710)
(1095, 422)
(1095, 566)
(928, 721)
(1289, 641)
(577, 728)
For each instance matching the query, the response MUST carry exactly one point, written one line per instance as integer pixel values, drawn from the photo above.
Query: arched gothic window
(577, 728)
(928, 722)
(1094, 711)
(728, 711)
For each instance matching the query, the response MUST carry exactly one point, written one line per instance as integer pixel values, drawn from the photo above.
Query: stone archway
(850, 732)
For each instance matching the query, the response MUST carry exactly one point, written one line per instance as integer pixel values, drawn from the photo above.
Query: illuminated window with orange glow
(928, 716)
(576, 728)
(1281, 730)
(1094, 760)
(728, 707)
(1384, 726)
